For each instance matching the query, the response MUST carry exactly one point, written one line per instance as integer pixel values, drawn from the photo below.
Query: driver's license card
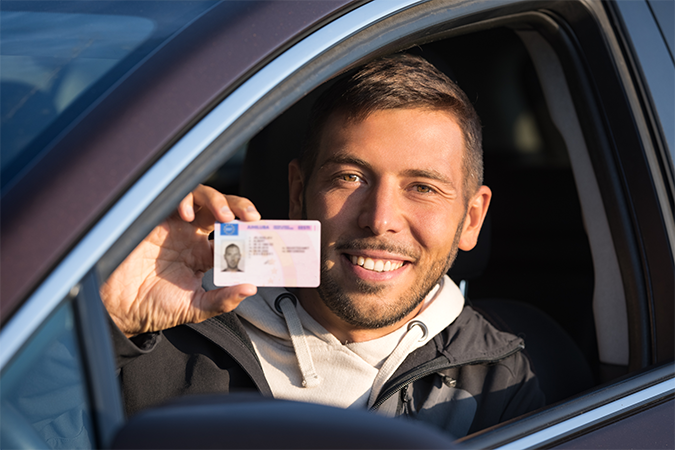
(284, 253)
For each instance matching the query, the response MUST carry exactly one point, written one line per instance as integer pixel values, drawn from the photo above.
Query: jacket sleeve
(156, 367)
(524, 394)
(128, 349)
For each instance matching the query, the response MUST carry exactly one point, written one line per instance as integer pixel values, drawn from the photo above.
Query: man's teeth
(376, 265)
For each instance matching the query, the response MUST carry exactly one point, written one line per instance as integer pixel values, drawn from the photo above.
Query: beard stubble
(360, 316)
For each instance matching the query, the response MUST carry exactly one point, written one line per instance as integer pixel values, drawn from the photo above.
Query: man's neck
(343, 331)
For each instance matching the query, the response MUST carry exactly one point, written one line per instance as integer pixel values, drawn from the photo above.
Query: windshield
(57, 58)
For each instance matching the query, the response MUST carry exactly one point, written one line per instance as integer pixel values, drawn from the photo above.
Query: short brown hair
(398, 81)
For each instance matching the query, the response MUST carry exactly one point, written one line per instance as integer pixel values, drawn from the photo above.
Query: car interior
(545, 267)
(532, 272)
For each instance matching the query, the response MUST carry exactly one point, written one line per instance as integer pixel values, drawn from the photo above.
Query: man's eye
(349, 177)
(423, 189)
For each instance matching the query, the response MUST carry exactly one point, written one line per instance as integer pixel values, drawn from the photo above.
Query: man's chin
(363, 287)
(368, 316)
(367, 305)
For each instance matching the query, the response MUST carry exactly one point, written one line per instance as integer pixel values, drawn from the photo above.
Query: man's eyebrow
(342, 158)
(430, 174)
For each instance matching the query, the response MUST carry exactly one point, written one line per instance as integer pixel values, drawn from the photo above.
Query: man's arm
(159, 285)
(525, 395)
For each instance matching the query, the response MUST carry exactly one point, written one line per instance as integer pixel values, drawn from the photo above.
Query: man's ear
(475, 215)
(296, 187)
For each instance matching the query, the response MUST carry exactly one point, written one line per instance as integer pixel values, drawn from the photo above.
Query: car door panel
(199, 99)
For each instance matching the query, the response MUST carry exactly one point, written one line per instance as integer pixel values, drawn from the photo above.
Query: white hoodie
(304, 362)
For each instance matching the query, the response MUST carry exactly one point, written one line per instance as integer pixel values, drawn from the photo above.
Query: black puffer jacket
(469, 377)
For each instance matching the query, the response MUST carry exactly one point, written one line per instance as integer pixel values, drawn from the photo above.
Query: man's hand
(159, 285)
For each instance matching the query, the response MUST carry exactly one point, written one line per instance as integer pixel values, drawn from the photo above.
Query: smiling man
(388, 190)
(393, 170)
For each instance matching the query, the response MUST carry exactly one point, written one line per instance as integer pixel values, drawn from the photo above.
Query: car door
(201, 97)
(645, 28)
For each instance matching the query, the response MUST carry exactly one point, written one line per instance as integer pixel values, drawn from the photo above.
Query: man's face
(388, 192)
(232, 257)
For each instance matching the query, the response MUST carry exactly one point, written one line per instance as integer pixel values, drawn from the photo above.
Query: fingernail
(251, 209)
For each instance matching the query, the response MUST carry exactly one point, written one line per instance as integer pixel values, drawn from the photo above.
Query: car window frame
(144, 203)
(631, 265)
(649, 61)
(218, 135)
(77, 276)
(105, 395)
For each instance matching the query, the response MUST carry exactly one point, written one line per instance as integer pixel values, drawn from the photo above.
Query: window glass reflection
(43, 393)
(48, 59)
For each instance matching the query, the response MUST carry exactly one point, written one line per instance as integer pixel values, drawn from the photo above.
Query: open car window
(566, 153)
(551, 245)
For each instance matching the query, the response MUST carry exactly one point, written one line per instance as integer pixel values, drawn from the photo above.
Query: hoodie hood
(303, 361)
(470, 339)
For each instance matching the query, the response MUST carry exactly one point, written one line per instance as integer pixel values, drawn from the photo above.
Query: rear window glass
(57, 58)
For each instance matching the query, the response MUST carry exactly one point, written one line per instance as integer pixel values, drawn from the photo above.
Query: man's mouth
(376, 265)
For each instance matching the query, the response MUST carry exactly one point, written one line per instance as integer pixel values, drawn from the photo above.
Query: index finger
(209, 206)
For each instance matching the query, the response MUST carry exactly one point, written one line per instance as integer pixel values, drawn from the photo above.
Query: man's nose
(381, 210)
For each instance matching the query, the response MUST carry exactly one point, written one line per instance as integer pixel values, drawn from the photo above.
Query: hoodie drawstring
(417, 332)
(285, 305)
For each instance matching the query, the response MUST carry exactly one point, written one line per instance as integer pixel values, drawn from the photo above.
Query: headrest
(470, 265)
(264, 176)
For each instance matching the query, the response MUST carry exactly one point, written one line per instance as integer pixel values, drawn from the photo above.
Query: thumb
(226, 299)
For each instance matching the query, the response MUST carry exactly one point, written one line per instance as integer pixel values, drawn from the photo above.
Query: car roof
(88, 168)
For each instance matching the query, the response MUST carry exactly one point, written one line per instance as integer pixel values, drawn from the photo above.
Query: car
(113, 111)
